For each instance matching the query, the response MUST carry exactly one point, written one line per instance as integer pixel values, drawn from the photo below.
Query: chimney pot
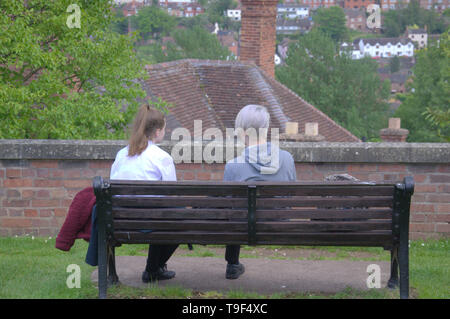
(394, 133)
(291, 128)
(312, 129)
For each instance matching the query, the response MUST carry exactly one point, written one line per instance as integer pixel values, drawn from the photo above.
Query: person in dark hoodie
(260, 161)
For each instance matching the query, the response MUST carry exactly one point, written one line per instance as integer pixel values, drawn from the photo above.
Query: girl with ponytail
(142, 159)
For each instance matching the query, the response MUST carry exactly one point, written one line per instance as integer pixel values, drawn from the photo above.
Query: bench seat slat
(211, 213)
(266, 226)
(373, 238)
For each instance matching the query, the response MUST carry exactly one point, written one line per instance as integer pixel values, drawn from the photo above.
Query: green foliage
(425, 110)
(396, 21)
(216, 8)
(394, 64)
(198, 43)
(349, 91)
(152, 21)
(331, 21)
(65, 83)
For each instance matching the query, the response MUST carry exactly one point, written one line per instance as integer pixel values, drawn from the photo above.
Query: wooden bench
(254, 213)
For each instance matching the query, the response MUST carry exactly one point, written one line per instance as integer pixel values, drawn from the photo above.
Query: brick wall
(258, 33)
(35, 191)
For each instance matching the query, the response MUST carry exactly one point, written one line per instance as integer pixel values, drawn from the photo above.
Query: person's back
(260, 161)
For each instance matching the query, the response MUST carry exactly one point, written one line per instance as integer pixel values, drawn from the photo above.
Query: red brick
(60, 212)
(13, 173)
(438, 218)
(424, 188)
(58, 193)
(44, 164)
(44, 183)
(203, 176)
(217, 176)
(100, 164)
(15, 212)
(31, 213)
(2, 173)
(73, 174)
(28, 172)
(58, 173)
(440, 178)
(418, 218)
(361, 168)
(421, 227)
(13, 183)
(444, 188)
(444, 168)
(443, 228)
(398, 168)
(45, 203)
(45, 212)
(438, 198)
(82, 183)
(42, 193)
(420, 178)
(27, 193)
(16, 222)
(16, 203)
(188, 166)
(187, 176)
(43, 173)
(12, 193)
(443, 208)
(422, 208)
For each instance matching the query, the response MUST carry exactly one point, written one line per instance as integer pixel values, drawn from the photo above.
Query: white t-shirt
(153, 164)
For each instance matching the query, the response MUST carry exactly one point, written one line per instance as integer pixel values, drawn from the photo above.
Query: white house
(384, 47)
(234, 14)
(292, 11)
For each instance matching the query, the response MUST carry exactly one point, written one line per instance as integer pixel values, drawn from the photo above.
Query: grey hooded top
(262, 162)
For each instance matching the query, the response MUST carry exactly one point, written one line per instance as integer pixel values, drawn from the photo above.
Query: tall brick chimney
(258, 33)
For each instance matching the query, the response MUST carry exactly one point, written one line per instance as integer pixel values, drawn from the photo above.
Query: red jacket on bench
(78, 221)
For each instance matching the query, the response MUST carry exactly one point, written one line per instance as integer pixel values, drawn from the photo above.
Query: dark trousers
(158, 255)
(232, 254)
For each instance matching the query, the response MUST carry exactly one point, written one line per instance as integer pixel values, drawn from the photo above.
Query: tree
(396, 21)
(153, 21)
(348, 91)
(197, 43)
(425, 110)
(394, 64)
(65, 83)
(331, 21)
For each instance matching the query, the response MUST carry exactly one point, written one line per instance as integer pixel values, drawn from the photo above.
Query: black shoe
(161, 274)
(234, 271)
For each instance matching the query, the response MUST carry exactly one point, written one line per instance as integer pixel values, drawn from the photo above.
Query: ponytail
(146, 122)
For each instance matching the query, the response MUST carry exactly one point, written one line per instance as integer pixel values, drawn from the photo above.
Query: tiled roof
(383, 41)
(215, 91)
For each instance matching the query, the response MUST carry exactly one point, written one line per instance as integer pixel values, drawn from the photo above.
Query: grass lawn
(32, 268)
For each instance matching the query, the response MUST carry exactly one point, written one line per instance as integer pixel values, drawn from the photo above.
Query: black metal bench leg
(102, 261)
(113, 279)
(393, 280)
(403, 260)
